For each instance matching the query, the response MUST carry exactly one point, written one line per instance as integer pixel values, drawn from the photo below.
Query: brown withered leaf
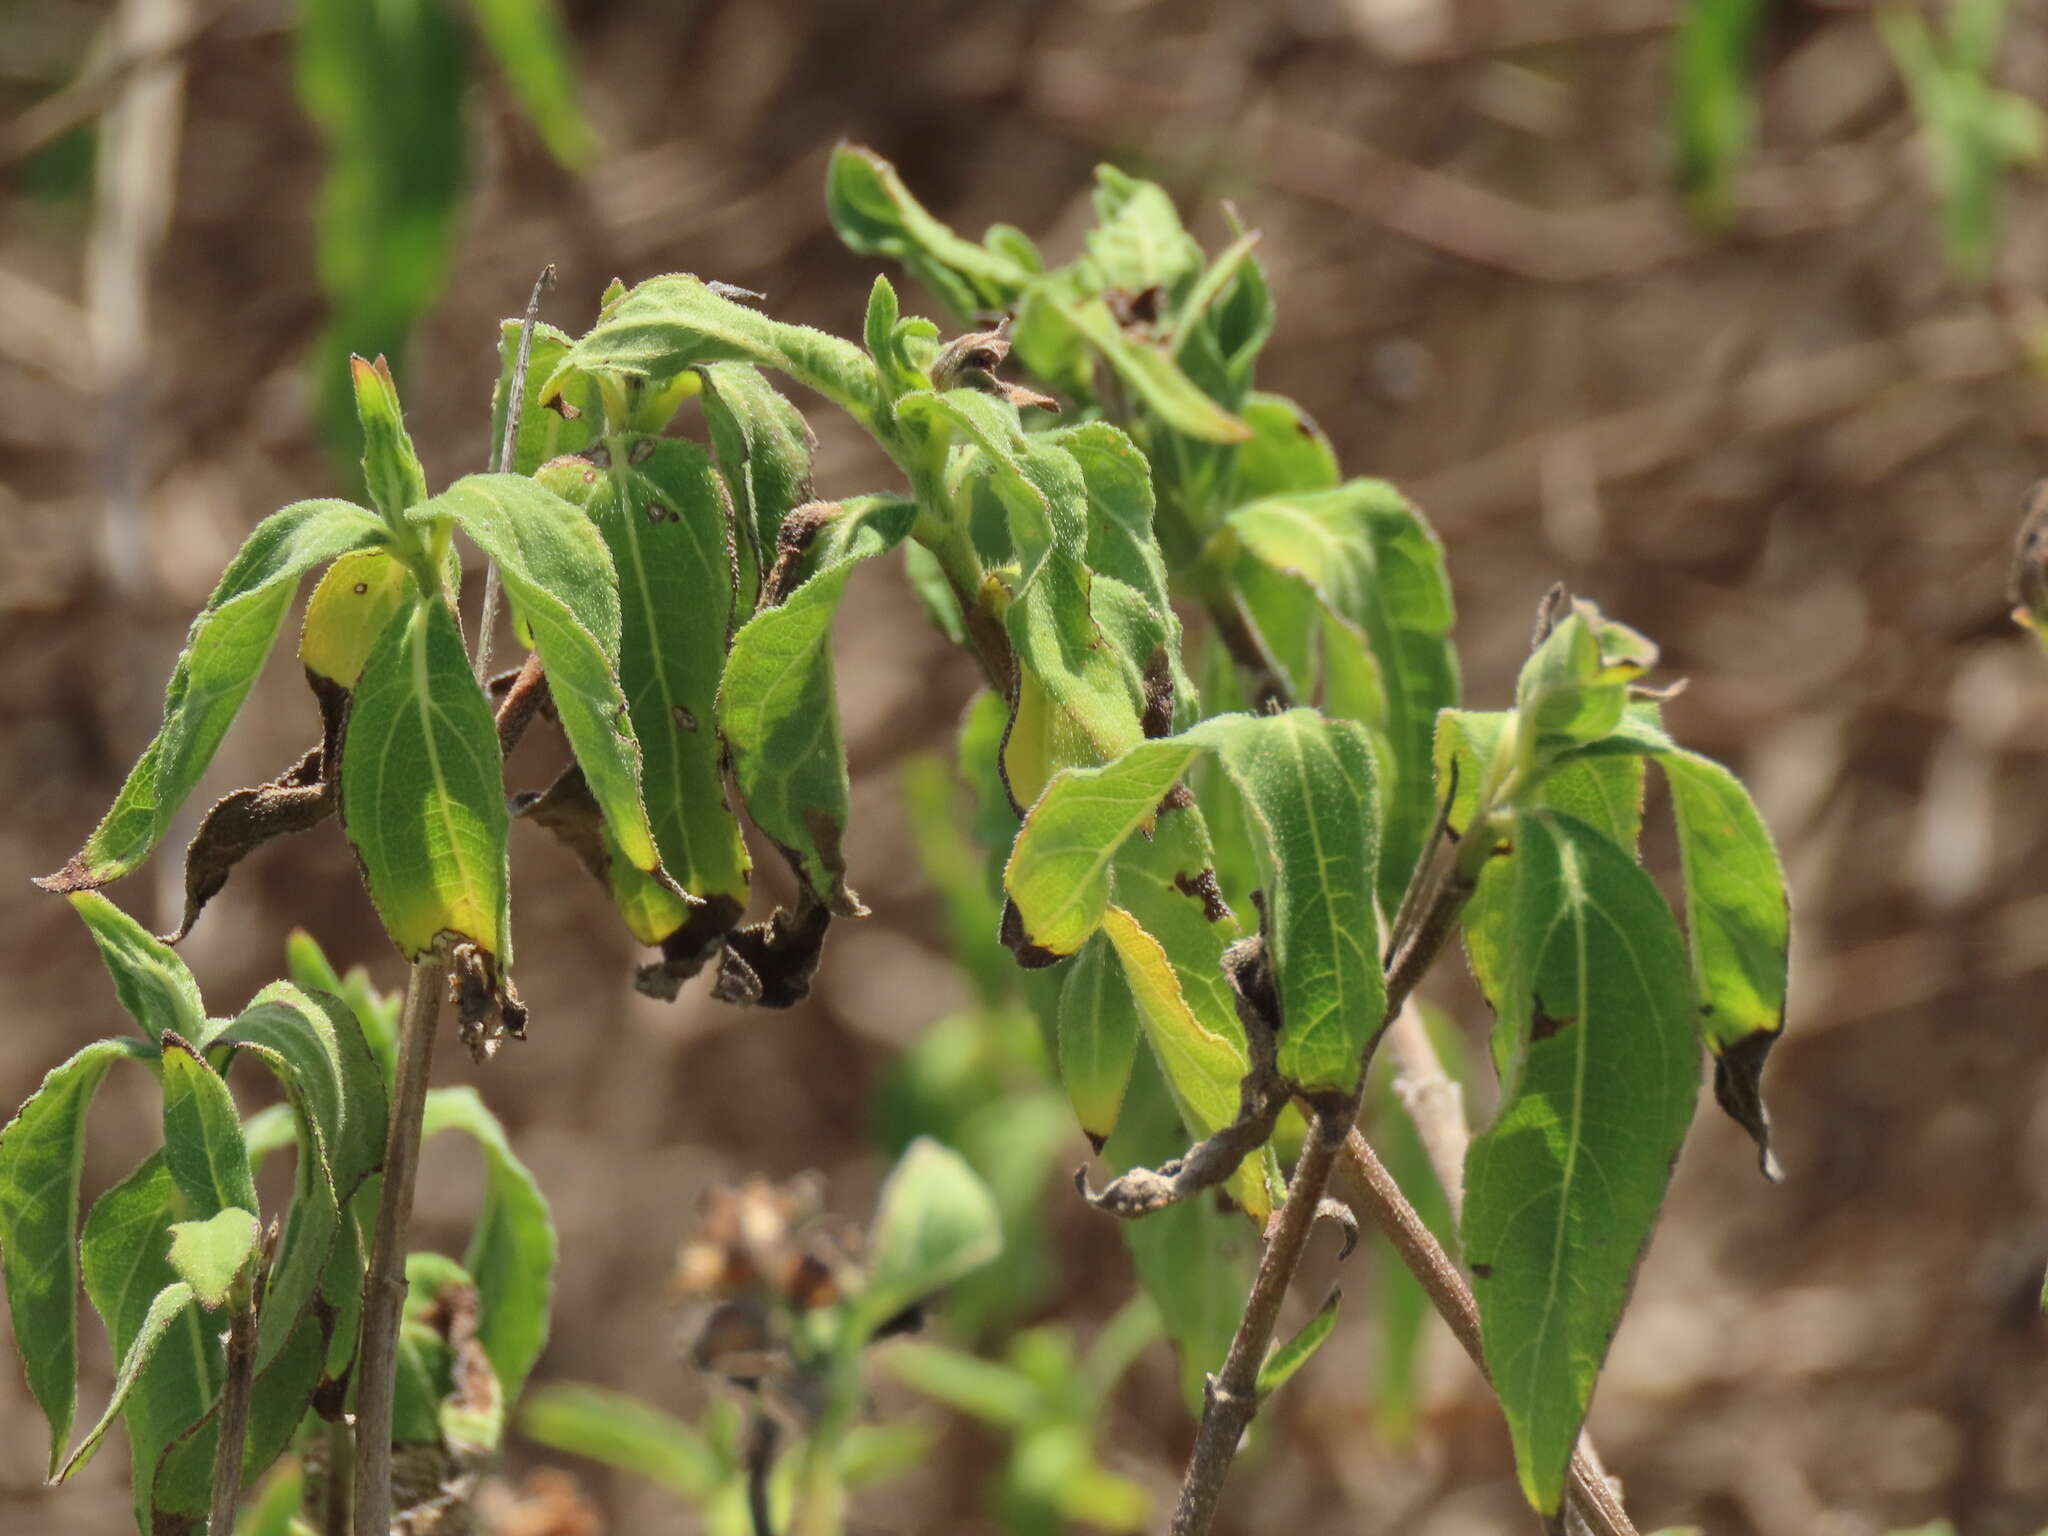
(487, 1005)
(971, 361)
(689, 949)
(770, 965)
(297, 800)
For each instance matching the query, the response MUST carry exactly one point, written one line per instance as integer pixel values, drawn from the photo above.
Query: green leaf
(1139, 241)
(391, 469)
(348, 610)
(385, 87)
(314, 1045)
(223, 653)
(1714, 101)
(559, 576)
(123, 1252)
(203, 1143)
(1311, 788)
(1573, 689)
(212, 1255)
(532, 48)
(660, 327)
(935, 1221)
(274, 1509)
(422, 788)
(1097, 1036)
(512, 1251)
(778, 710)
(622, 1432)
(169, 1307)
(1150, 370)
(41, 1153)
(1738, 920)
(149, 978)
(543, 434)
(1283, 1360)
(764, 448)
(981, 1389)
(376, 1015)
(1562, 1191)
(1287, 452)
(662, 513)
(876, 216)
(1373, 563)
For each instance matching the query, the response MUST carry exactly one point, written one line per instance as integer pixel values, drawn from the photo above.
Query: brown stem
(1232, 1398)
(341, 1454)
(233, 1421)
(384, 1287)
(1381, 1202)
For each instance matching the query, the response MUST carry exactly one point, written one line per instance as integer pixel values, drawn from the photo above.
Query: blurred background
(1737, 327)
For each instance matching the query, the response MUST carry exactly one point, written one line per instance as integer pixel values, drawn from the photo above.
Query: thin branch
(1381, 1202)
(232, 1422)
(1232, 1397)
(762, 1438)
(384, 1286)
(502, 459)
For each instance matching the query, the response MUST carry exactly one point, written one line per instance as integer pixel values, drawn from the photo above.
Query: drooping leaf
(512, 1249)
(124, 1256)
(223, 653)
(559, 576)
(237, 824)
(1562, 1190)
(41, 1153)
(663, 514)
(777, 706)
(422, 788)
(150, 980)
(935, 1221)
(211, 1255)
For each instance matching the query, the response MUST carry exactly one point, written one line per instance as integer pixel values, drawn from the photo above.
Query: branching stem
(384, 1287)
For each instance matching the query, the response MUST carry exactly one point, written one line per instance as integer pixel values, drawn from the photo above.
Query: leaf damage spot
(1205, 888)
